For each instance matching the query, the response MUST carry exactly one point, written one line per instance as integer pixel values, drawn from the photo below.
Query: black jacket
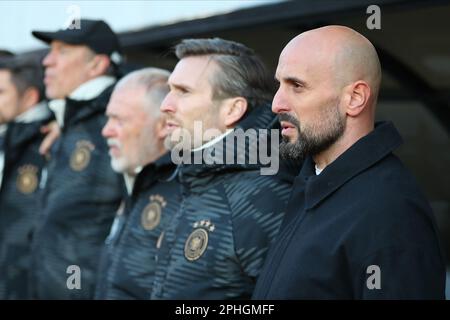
(79, 201)
(128, 260)
(18, 202)
(359, 230)
(216, 243)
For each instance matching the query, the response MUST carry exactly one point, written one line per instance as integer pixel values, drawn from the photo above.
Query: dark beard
(311, 143)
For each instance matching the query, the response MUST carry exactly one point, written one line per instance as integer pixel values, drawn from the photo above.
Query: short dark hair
(26, 72)
(243, 72)
(5, 53)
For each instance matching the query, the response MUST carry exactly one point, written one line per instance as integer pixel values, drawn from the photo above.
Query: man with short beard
(135, 132)
(357, 226)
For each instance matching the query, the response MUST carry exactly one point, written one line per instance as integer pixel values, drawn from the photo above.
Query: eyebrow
(180, 86)
(295, 80)
(111, 114)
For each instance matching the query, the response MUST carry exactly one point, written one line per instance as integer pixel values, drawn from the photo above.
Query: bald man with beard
(357, 225)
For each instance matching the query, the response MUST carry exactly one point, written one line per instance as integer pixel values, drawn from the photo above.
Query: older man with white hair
(135, 132)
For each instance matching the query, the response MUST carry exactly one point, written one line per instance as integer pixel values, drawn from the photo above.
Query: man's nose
(279, 104)
(108, 130)
(49, 59)
(168, 104)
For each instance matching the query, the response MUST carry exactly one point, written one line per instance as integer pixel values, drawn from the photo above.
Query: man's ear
(100, 64)
(234, 109)
(29, 98)
(358, 95)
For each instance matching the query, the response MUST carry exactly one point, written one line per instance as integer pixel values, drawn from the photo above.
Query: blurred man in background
(135, 132)
(81, 193)
(22, 113)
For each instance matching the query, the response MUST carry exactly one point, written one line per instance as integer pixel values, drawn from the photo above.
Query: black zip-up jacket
(128, 260)
(361, 229)
(216, 243)
(79, 201)
(19, 196)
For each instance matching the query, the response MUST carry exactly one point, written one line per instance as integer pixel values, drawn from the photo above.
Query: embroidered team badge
(151, 215)
(27, 180)
(197, 242)
(81, 156)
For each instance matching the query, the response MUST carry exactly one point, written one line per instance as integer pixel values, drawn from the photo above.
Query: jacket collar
(85, 93)
(213, 141)
(92, 88)
(19, 136)
(79, 110)
(26, 126)
(259, 118)
(37, 113)
(366, 152)
(152, 173)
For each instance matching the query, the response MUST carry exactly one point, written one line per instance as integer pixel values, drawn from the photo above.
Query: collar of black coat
(19, 136)
(158, 171)
(259, 118)
(366, 152)
(27, 127)
(79, 110)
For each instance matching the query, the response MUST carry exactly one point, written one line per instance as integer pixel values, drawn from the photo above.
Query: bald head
(346, 55)
(329, 82)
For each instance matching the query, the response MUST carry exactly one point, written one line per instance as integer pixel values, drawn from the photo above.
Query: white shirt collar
(213, 141)
(130, 179)
(318, 170)
(87, 91)
(129, 182)
(35, 113)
